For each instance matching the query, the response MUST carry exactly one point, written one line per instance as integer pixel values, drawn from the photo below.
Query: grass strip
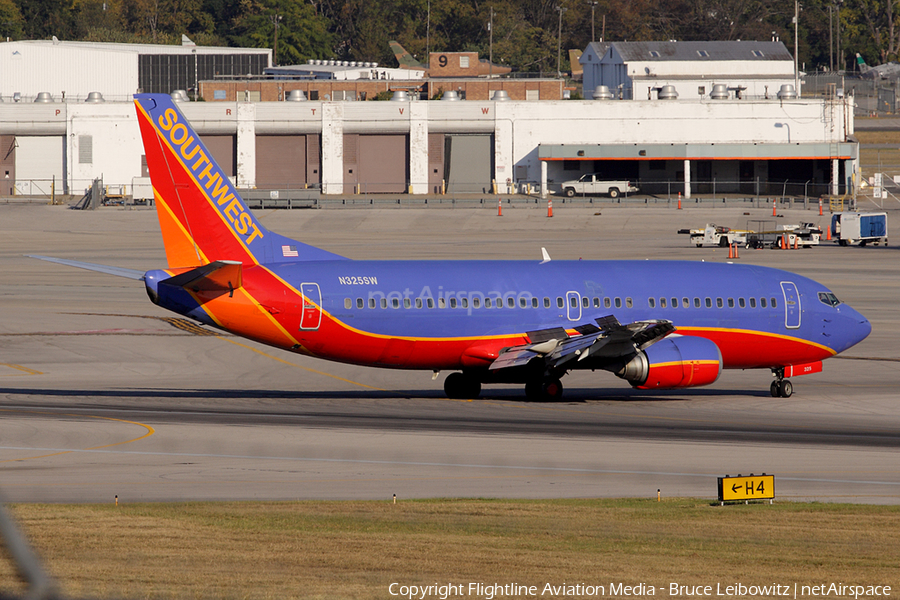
(350, 549)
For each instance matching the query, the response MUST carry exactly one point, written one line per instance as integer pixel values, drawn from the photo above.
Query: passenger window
(651, 302)
(731, 303)
(418, 303)
(348, 303)
(674, 303)
(371, 302)
(487, 303)
(407, 303)
(476, 302)
(546, 302)
(573, 301)
(662, 302)
(442, 303)
(359, 303)
(752, 302)
(452, 302)
(511, 302)
(585, 302)
(429, 302)
(696, 302)
(618, 302)
(596, 302)
(395, 302)
(464, 302)
(719, 303)
(534, 302)
(708, 302)
(629, 302)
(741, 302)
(685, 303)
(523, 302)
(384, 303)
(774, 303)
(762, 302)
(559, 302)
(606, 302)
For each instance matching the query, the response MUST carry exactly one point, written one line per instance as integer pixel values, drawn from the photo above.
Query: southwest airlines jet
(655, 324)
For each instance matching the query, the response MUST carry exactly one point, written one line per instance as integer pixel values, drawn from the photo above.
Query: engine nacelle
(674, 362)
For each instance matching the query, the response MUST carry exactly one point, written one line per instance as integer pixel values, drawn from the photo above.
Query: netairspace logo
(490, 591)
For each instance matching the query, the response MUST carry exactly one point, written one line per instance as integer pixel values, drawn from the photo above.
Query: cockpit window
(828, 298)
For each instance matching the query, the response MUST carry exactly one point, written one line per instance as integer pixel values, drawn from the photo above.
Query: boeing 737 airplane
(655, 324)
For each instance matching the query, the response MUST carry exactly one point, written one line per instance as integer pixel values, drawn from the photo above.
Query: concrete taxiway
(103, 394)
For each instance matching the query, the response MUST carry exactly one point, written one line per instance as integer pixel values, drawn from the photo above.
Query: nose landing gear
(781, 387)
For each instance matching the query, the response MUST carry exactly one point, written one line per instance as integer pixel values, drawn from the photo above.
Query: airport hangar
(722, 142)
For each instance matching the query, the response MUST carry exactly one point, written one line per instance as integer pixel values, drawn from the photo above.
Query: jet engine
(674, 362)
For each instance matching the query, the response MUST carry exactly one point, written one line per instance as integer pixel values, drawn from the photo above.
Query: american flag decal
(289, 251)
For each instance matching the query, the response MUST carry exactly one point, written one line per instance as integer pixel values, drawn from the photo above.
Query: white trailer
(716, 235)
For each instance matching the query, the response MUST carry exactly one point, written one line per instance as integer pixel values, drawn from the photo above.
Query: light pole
(559, 41)
(276, 18)
(796, 47)
(491, 45)
(593, 6)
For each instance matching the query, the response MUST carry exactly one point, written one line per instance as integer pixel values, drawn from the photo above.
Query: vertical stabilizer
(404, 58)
(201, 214)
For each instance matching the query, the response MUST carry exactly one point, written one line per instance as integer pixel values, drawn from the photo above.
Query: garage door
(469, 161)
(287, 161)
(376, 164)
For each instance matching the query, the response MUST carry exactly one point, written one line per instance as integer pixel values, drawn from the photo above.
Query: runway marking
(317, 372)
(24, 370)
(582, 470)
(150, 431)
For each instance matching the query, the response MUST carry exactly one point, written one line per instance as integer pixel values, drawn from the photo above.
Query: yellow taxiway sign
(752, 487)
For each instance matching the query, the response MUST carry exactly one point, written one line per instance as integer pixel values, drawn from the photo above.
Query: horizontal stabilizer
(218, 276)
(117, 271)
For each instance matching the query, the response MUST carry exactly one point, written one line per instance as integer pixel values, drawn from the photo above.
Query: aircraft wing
(607, 340)
(117, 271)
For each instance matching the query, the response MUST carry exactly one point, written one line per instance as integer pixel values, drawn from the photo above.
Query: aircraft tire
(785, 388)
(458, 386)
(552, 390)
(773, 389)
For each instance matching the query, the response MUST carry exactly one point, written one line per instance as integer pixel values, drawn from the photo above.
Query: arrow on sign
(736, 487)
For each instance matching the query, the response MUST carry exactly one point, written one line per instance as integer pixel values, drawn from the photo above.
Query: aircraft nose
(857, 327)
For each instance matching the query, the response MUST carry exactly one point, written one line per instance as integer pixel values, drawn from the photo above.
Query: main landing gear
(781, 387)
(546, 390)
(459, 386)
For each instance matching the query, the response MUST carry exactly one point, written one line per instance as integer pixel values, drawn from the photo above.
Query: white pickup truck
(591, 184)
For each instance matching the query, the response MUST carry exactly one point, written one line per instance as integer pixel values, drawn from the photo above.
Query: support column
(687, 179)
(835, 177)
(245, 141)
(418, 147)
(504, 170)
(543, 179)
(332, 147)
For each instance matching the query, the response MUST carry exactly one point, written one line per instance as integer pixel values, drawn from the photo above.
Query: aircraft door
(791, 305)
(573, 306)
(311, 313)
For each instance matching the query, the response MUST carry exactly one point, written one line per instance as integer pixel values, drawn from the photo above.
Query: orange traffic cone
(549, 207)
(820, 207)
(784, 242)
(679, 200)
(499, 207)
(828, 234)
(730, 250)
(736, 254)
(796, 244)
(775, 208)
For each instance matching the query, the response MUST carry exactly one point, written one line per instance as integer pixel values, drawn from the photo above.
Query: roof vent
(787, 92)
(500, 96)
(311, 61)
(400, 96)
(667, 92)
(44, 97)
(719, 92)
(451, 95)
(179, 96)
(295, 96)
(94, 98)
(601, 92)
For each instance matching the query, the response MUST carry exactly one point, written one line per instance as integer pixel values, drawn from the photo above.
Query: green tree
(11, 23)
(302, 32)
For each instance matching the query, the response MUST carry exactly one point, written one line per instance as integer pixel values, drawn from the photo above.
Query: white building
(72, 70)
(344, 70)
(636, 70)
(425, 147)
